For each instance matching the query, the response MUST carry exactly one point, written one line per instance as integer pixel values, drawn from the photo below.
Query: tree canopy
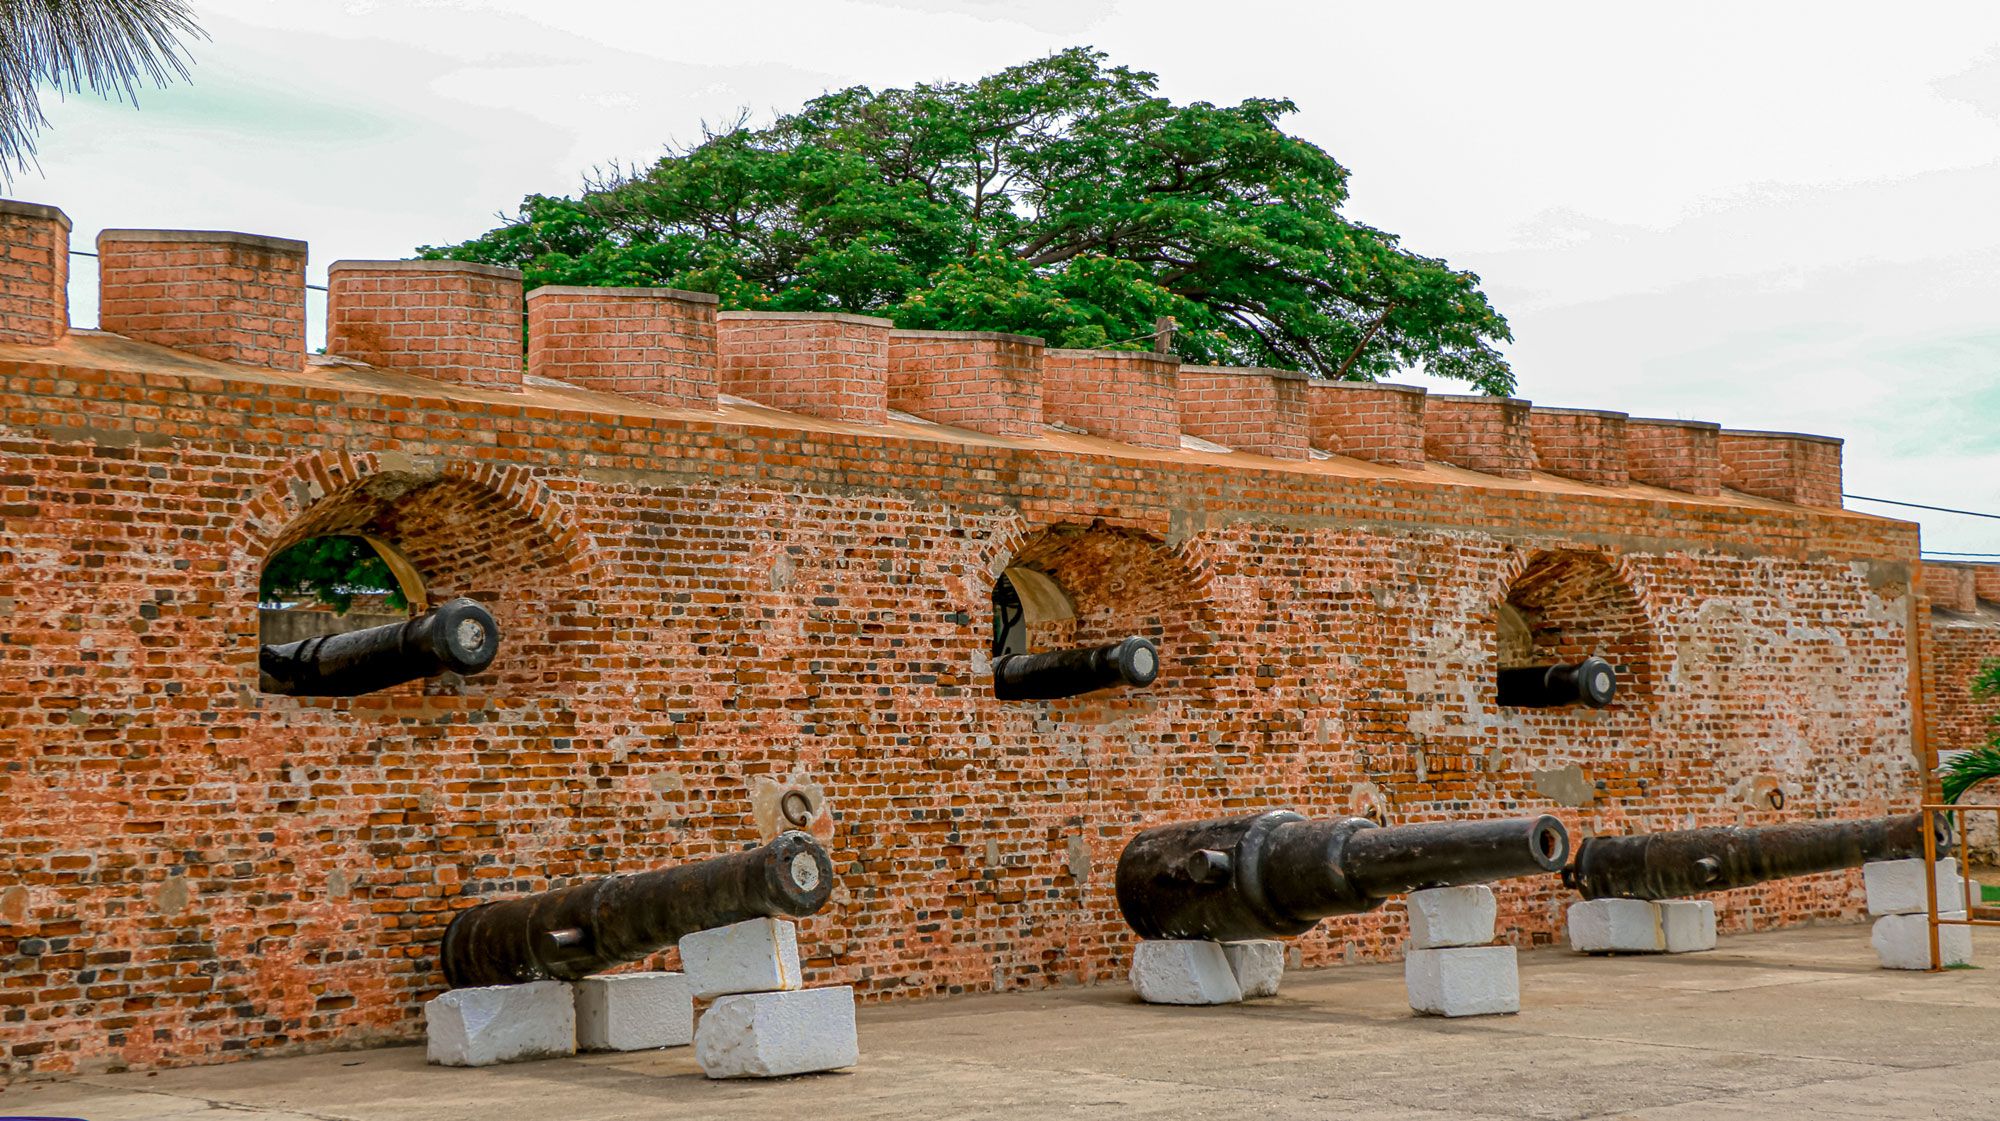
(1062, 198)
(332, 570)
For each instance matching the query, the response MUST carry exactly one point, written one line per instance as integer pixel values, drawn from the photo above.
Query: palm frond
(1969, 770)
(109, 47)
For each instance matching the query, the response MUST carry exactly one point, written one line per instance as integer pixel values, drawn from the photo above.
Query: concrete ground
(1796, 1024)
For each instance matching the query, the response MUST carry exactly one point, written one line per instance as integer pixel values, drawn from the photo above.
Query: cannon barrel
(1694, 861)
(459, 636)
(575, 931)
(1277, 873)
(1068, 673)
(1590, 682)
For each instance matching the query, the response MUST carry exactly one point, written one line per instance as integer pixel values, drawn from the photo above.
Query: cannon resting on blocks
(1636, 889)
(457, 637)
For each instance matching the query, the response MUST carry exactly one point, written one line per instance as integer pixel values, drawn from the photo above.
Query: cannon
(1278, 873)
(1590, 682)
(573, 932)
(1069, 673)
(459, 636)
(1687, 862)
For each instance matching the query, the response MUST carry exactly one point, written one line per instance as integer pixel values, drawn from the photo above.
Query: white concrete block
(770, 1035)
(634, 1012)
(1258, 965)
(500, 1024)
(1896, 887)
(1190, 972)
(1904, 941)
(1616, 926)
(1463, 981)
(758, 956)
(1687, 925)
(1452, 916)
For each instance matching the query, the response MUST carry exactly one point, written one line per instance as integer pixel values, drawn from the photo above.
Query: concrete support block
(1452, 916)
(1189, 972)
(1616, 926)
(758, 956)
(1896, 887)
(1258, 965)
(771, 1035)
(1687, 925)
(1904, 941)
(634, 1012)
(500, 1024)
(1463, 981)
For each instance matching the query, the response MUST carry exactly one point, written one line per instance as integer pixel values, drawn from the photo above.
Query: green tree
(332, 570)
(106, 46)
(1062, 198)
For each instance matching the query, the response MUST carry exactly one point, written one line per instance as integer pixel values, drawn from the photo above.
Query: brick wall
(824, 365)
(1263, 412)
(456, 321)
(1582, 444)
(649, 344)
(1965, 635)
(1124, 395)
(1676, 454)
(984, 381)
(191, 870)
(34, 273)
(227, 296)
(1787, 466)
(1366, 420)
(1479, 433)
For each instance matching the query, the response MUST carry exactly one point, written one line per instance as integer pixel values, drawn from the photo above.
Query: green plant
(1061, 198)
(332, 570)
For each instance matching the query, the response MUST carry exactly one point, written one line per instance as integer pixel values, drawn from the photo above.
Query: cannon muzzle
(1278, 874)
(1696, 861)
(1068, 673)
(1590, 682)
(460, 637)
(572, 932)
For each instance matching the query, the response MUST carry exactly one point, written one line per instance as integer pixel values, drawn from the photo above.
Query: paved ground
(1797, 1024)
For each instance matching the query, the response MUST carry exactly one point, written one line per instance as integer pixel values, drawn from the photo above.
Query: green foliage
(1061, 198)
(1973, 767)
(332, 570)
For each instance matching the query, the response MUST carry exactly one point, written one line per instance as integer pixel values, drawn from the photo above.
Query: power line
(1921, 506)
(1949, 553)
(87, 253)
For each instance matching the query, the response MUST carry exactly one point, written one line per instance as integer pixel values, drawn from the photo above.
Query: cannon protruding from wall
(1068, 673)
(1591, 682)
(1277, 874)
(570, 933)
(459, 637)
(1684, 862)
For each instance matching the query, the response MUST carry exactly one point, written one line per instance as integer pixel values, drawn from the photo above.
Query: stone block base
(1687, 926)
(1258, 965)
(758, 956)
(1616, 926)
(1463, 981)
(500, 1024)
(634, 1012)
(1904, 941)
(1183, 972)
(1896, 887)
(1452, 916)
(771, 1035)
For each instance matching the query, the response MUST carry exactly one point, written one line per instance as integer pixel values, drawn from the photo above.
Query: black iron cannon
(1590, 682)
(1069, 673)
(572, 932)
(1695, 861)
(1277, 873)
(460, 637)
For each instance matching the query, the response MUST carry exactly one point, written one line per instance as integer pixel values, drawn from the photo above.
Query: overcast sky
(1768, 215)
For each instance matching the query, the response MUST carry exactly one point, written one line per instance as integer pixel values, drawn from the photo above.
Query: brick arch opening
(1079, 585)
(450, 535)
(1562, 606)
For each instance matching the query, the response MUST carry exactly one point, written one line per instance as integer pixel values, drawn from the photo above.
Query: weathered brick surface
(1263, 412)
(1479, 433)
(34, 273)
(1123, 395)
(984, 381)
(1365, 420)
(227, 296)
(1964, 636)
(824, 365)
(1675, 454)
(650, 344)
(456, 321)
(1582, 444)
(191, 870)
(1787, 466)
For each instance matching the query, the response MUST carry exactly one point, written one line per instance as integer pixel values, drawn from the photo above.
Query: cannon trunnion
(459, 637)
(1278, 873)
(572, 932)
(1696, 861)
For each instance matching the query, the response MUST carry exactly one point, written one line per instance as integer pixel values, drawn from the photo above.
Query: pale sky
(1770, 215)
